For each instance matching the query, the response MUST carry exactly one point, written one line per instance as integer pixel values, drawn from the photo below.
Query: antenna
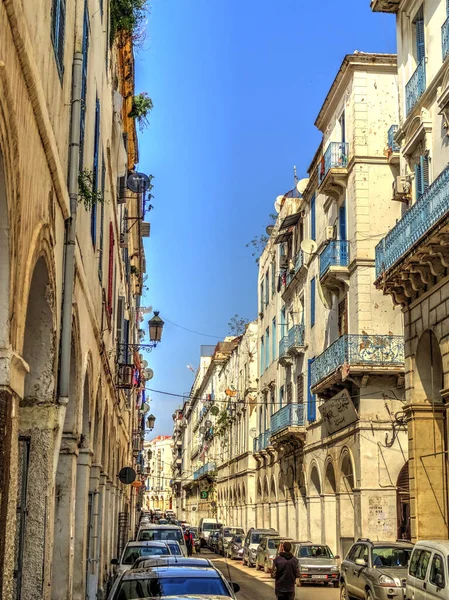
(308, 246)
(295, 177)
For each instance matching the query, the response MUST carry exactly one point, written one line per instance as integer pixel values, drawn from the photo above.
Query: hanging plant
(128, 17)
(87, 193)
(142, 105)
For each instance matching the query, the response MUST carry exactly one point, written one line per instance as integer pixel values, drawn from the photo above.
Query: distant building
(158, 464)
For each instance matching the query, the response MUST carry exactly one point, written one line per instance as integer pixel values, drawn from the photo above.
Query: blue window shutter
(85, 52)
(273, 339)
(100, 257)
(93, 214)
(420, 41)
(281, 396)
(424, 167)
(267, 348)
(58, 33)
(311, 400)
(262, 355)
(447, 7)
(342, 221)
(418, 181)
(312, 302)
(312, 218)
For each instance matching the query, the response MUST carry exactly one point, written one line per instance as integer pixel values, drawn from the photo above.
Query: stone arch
(281, 487)
(314, 481)
(273, 495)
(266, 493)
(98, 428)
(243, 493)
(5, 258)
(428, 378)
(403, 503)
(347, 472)
(345, 487)
(330, 482)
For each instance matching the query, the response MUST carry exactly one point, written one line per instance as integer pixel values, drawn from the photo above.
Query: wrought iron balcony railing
(283, 347)
(335, 254)
(295, 336)
(335, 157)
(207, 468)
(353, 349)
(417, 221)
(261, 441)
(291, 415)
(416, 86)
(445, 37)
(392, 145)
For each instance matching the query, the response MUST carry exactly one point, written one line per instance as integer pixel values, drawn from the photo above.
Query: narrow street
(256, 584)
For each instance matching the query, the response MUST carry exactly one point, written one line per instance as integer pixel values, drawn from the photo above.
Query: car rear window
(132, 554)
(160, 535)
(230, 531)
(315, 552)
(391, 556)
(174, 548)
(273, 544)
(170, 586)
(211, 526)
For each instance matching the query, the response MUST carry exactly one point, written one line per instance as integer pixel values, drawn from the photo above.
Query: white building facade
(158, 461)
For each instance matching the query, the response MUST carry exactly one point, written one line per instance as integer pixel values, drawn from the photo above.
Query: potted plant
(142, 105)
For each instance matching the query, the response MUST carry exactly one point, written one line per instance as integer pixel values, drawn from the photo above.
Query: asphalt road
(256, 585)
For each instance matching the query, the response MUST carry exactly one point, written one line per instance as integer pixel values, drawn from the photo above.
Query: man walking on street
(285, 572)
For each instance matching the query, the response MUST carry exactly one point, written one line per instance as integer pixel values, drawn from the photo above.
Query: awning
(284, 235)
(290, 221)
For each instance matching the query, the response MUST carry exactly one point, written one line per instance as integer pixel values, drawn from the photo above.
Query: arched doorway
(403, 503)
(346, 489)
(38, 419)
(330, 507)
(315, 531)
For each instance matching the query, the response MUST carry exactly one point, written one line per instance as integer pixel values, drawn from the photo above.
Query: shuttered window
(289, 392)
(267, 288)
(342, 221)
(421, 176)
(312, 302)
(110, 268)
(267, 348)
(313, 218)
(273, 275)
(281, 396)
(419, 31)
(85, 52)
(311, 399)
(58, 33)
(100, 256)
(262, 355)
(95, 179)
(120, 329)
(300, 389)
(273, 340)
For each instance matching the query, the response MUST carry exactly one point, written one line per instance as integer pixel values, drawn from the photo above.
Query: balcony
(445, 38)
(355, 355)
(284, 357)
(388, 6)
(295, 340)
(416, 87)
(291, 275)
(416, 249)
(288, 423)
(392, 145)
(204, 470)
(261, 442)
(332, 171)
(334, 262)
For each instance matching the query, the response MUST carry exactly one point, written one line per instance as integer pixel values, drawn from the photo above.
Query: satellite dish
(278, 204)
(301, 185)
(308, 246)
(214, 411)
(149, 374)
(208, 424)
(202, 429)
(138, 182)
(144, 363)
(323, 297)
(145, 408)
(269, 229)
(193, 508)
(253, 432)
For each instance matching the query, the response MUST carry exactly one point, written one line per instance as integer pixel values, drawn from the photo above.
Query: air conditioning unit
(330, 232)
(145, 229)
(125, 376)
(124, 240)
(401, 189)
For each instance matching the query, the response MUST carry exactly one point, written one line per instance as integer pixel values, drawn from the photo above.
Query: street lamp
(150, 422)
(156, 325)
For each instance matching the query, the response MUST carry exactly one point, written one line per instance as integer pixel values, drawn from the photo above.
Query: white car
(134, 550)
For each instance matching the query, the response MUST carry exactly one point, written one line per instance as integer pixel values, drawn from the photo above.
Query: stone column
(330, 521)
(64, 534)
(93, 574)
(314, 520)
(81, 523)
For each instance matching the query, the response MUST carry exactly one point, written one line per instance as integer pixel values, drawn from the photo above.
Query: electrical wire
(218, 337)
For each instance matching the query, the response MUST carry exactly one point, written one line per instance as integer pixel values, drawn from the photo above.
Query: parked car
(317, 564)
(134, 550)
(234, 548)
(170, 561)
(205, 528)
(175, 548)
(163, 533)
(428, 571)
(252, 541)
(213, 541)
(175, 581)
(266, 552)
(375, 570)
(163, 522)
(225, 536)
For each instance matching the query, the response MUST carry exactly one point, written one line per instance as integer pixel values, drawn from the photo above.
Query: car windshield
(391, 556)
(273, 544)
(315, 552)
(211, 526)
(174, 548)
(134, 552)
(160, 535)
(237, 539)
(256, 537)
(230, 531)
(170, 586)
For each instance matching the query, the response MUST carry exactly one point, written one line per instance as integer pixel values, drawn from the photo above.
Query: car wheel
(368, 595)
(265, 567)
(343, 592)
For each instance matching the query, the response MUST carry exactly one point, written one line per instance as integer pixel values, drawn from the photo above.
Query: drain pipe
(70, 241)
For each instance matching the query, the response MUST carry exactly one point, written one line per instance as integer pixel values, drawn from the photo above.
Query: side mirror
(235, 587)
(360, 562)
(439, 581)
(337, 557)
(114, 561)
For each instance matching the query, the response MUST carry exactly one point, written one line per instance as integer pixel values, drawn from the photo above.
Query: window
(421, 176)
(93, 212)
(419, 563)
(342, 221)
(267, 289)
(110, 268)
(267, 347)
(273, 339)
(342, 122)
(58, 33)
(311, 400)
(300, 389)
(312, 302)
(437, 571)
(289, 392)
(353, 553)
(281, 396)
(100, 255)
(85, 51)
(420, 46)
(261, 297)
(273, 401)
(273, 276)
(283, 322)
(312, 218)
(262, 355)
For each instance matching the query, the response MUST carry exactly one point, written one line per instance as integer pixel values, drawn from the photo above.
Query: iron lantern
(156, 324)
(150, 422)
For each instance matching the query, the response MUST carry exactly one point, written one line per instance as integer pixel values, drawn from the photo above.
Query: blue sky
(236, 87)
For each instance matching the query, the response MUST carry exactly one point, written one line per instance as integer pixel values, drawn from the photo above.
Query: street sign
(204, 495)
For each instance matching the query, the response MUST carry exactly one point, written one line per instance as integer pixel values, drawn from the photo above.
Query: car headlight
(386, 581)
(241, 551)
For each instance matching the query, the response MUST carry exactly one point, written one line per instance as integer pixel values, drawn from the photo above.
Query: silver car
(252, 541)
(266, 552)
(225, 536)
(234, 549)
(317, 564)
